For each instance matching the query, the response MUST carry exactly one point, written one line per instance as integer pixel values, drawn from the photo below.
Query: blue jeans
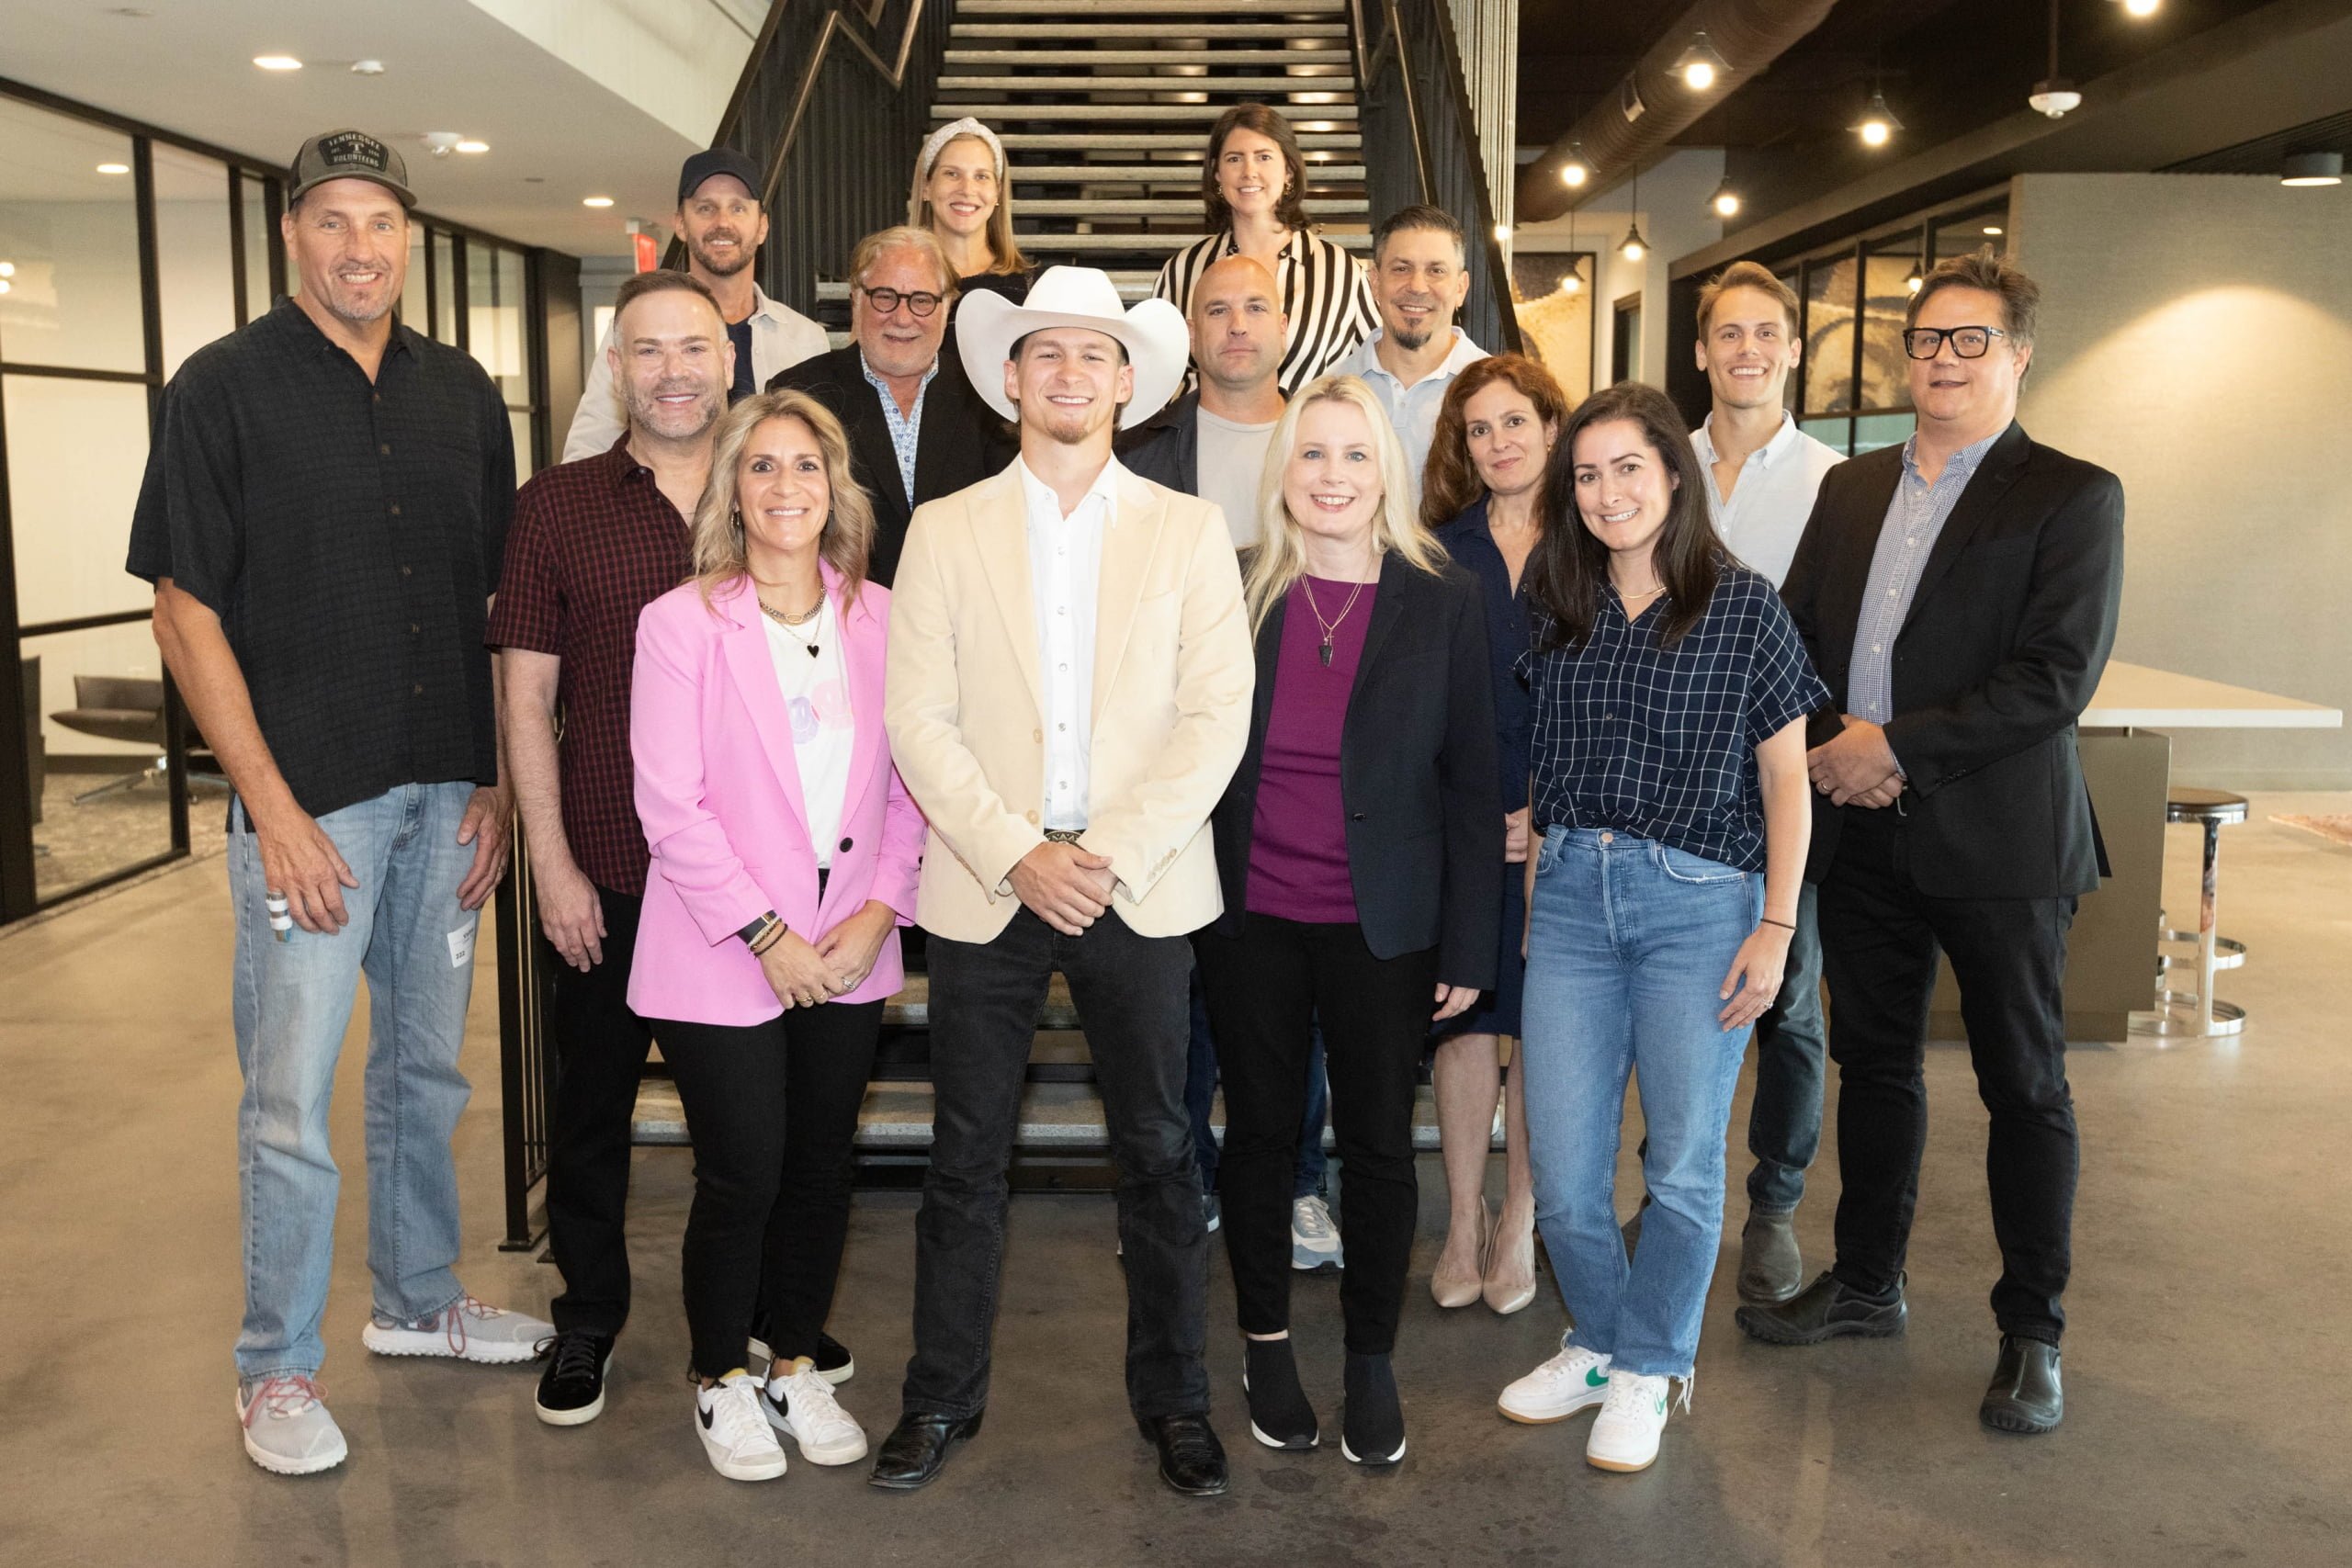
(291, 1001)
(1200, 1096)
(1629, 944)
(1784, 1119)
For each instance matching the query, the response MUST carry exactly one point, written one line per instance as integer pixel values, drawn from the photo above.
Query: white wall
(2195, 337)
(1676, 221)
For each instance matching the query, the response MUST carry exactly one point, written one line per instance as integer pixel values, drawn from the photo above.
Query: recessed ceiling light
(596, 201)
(472, 146)
(366, 68)
(114, 168)
(1992, 228)
(277, 63)
(8, 269)
(6, 286)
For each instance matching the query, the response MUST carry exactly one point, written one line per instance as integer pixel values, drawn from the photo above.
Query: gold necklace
(793, 624)
(1332, 626)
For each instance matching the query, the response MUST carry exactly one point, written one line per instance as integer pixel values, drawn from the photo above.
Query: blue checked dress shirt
(1915, 518)
(905, 429)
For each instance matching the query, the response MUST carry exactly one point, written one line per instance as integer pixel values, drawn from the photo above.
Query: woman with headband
(961, 196)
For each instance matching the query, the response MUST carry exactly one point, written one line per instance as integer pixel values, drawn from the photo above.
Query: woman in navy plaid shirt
(1668, 792)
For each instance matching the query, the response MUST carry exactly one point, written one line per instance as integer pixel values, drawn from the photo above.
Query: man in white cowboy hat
(1070, 686)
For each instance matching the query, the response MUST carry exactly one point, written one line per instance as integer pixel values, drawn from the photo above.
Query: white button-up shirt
(1412, 409)
(1065, 579)
(1772, 497)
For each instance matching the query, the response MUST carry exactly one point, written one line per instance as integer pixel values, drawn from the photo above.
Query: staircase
(1104, 110)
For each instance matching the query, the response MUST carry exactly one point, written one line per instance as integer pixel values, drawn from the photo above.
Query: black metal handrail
(1421, 144)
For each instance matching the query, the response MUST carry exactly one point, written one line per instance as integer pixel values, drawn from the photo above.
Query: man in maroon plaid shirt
(594, 542)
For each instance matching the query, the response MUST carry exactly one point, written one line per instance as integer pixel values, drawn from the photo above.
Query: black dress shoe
(1191, 1459)
(1771, 1269)
(2024, 1396)
(1826, 1310)
(916, 1450)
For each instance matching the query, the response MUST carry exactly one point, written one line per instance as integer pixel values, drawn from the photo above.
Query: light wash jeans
(1628, 946)
(292, 1002)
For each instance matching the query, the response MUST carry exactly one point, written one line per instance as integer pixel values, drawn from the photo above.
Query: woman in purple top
(1360, 846)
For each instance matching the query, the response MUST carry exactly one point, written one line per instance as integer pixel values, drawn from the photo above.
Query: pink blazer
(718, 792)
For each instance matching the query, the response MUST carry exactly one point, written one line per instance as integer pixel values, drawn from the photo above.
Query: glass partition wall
(123, 249)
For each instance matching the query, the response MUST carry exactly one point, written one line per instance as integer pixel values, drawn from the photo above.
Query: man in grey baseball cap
(348, 156)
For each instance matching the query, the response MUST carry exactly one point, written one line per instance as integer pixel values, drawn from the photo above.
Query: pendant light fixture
(1576, 171)
(2312, 169)
(1574, 282)
(1701, 66)
(1726, 202)
(1878, 125)
(2054, 95)
(1634, 248)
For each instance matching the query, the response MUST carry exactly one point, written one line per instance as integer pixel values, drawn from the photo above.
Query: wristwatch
(752, 934)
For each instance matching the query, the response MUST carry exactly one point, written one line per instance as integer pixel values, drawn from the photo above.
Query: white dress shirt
(1412, 409)
(1772, 497)
(781, 338)
(1065, 580)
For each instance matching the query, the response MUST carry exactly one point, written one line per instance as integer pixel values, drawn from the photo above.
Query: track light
(1576, 171)
(1699, 65)
(2312, 169)
(1878, 124)
(1726, 201)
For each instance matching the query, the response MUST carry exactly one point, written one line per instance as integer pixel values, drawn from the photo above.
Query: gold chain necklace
(793, 624)
(1332, 626)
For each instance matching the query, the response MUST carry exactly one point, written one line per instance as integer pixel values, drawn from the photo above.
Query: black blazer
(961, 442)
(1166, 449)
(2002, 649)
(1417, 776)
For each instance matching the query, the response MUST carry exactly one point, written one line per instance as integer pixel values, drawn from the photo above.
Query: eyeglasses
(1967, 343)
(886, 301)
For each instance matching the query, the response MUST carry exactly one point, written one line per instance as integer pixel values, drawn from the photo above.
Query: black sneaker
(1826, 1309)
(1372, 1420)
(572, 1390)
(834, 1363)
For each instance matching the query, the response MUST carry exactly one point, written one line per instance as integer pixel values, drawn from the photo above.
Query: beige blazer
(1173, 674)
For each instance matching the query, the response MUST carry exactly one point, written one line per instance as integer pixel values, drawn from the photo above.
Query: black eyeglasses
(1968, 343)
(886, 301)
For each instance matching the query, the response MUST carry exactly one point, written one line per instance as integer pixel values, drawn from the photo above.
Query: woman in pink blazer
(785, 854)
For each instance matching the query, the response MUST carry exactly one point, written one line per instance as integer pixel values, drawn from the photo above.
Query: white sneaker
(1314, 1239)
(466, 1331)
(799, 1403)
(1572, 1381)
(728, 1420)
(1625, 1434)
(288, 1429)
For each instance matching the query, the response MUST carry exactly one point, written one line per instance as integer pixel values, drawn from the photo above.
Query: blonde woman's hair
(1279, 558)
(1002, 245)
(719, 557)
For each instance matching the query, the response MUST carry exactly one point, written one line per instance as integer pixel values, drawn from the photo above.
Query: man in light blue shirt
(1420, 278)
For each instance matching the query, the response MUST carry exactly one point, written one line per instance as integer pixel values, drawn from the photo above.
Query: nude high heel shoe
(1460, 1290)
(1511, 1269)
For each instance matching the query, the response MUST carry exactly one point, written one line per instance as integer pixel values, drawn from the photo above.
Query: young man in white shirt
(722, 224)
(1420, 275)
(1763, 475)
(1069, 695)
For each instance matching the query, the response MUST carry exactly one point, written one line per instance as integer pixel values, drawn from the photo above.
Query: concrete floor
(2211, 1351)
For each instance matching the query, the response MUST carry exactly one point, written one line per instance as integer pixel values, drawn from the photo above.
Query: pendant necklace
(1332, 626)
(794, 623)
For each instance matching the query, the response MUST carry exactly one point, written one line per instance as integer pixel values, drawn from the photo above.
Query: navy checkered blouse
(1660, 743)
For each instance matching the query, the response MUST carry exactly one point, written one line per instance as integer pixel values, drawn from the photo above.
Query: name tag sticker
(461, 947)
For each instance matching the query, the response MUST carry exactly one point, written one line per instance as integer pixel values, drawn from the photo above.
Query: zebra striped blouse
(1324, 293)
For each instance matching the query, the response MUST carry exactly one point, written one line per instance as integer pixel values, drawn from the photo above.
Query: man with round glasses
(916, 430)
(1959, 594)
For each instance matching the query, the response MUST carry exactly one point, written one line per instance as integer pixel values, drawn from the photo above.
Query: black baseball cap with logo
(717, 161)
(349, 155)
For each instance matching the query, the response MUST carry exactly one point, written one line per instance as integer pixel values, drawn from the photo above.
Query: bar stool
(2200, 1013)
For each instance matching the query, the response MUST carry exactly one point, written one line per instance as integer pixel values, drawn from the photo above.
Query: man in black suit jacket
(957, 441)
(1958, 595)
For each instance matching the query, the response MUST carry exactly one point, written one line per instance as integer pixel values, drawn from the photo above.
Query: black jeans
(1878, 939)
(600, 1049)
(1131, 995)
(1266, 987)
(772, 1109)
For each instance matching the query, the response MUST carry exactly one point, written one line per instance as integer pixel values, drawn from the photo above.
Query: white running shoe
(1625, 1434)
(799, 1403)
(466, 1331)
(288, 1429)
(1572, 1381)
(728, 1420)
(1314, 1239)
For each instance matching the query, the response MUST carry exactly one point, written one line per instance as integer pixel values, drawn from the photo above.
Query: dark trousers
(1784, 1119)
(1130, 993)
(600, 1049)
(1879, 938)
(1200, 1098)
(1265, 988)
(772, 1109)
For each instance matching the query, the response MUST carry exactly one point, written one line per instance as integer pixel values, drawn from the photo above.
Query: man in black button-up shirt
(322, 517)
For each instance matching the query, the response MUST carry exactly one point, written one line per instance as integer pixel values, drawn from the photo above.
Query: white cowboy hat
(1153, 331)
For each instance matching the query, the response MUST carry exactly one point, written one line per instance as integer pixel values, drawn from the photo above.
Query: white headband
(937, 142)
